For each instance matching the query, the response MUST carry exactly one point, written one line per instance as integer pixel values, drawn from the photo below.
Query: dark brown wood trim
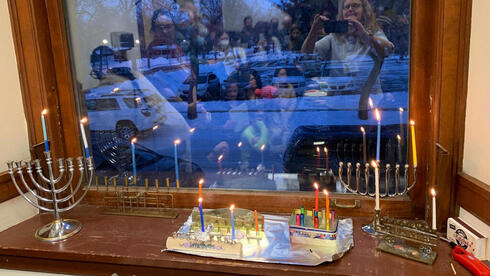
(7, 189)
(474, 196)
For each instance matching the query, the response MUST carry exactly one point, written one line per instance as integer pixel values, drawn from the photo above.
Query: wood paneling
(474, 196)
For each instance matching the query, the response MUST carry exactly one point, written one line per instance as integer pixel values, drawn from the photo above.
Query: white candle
(176, 162)
(376, 182)
(84, 137)
(378, 138)
(433, 192)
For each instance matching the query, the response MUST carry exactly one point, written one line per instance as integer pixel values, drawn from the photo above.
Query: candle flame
(374, 164)
(398, 137)
(262, 147)
(176, 141)
(138, 99)
(84, 120)
(232, 207)
(201, 181)
(378, 114)
(315, 185)
(400, 109)
(220, 157)
(325, 191)
(200, 200)
(191, 130)
(371, 104)
(318, 149)
(155, 127)
(363, 130)
(44, 112)
(433, 192)
(104, 41)
(325, 149)
(412, 122)
(115, 89)
(240, 144)
(134, 140)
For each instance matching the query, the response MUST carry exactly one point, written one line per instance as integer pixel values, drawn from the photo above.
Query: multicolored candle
(414, 143)
(376, 182)
(256, 222)
(316, 195)
(378, 137)
(201, 214)
(133, 157)
(302, 216)
(45, 132)
(176, 162)
(232, 221)
(83, 121)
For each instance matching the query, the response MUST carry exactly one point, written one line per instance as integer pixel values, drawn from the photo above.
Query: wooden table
(132, 246)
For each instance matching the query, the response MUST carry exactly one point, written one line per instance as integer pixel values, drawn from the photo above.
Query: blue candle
(176, 165)
(232, 222)
(84, 137)
(378, 139)
(133, 141)
(45, 133)
(200, 213)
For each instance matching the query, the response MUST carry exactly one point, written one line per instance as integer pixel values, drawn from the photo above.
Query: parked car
(208, 87)
(126, 110)
(112, 158)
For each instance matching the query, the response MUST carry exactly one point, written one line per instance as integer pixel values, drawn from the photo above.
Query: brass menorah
(58, 229)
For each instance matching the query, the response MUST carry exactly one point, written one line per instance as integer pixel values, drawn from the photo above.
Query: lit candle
(83, 121)
(376, 182)
(433, 192)
(232, 221)
(414, 144)
(378, 138)
(327, 209)
(133, 156)
(201, 182)
(176, 165)
(45, 132)
(201, 214)
(326, 158)
(240, 144)
(316, 195)
(371, 104)
(400, 113)
(220, 158)
(256, 223)
(262, 148)
(399, 148)
(363, 145)
(318, 157)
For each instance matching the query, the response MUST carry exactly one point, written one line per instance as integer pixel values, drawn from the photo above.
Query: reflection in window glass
(266, 95)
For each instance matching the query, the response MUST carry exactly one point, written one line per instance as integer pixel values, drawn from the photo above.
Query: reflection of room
(275, 129)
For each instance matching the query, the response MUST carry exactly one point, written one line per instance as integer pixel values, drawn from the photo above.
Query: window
(249, 87)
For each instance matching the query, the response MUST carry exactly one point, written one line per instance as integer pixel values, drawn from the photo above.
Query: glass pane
(267, 95)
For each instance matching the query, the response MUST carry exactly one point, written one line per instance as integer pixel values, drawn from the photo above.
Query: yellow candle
(414, 144)
(327, 209)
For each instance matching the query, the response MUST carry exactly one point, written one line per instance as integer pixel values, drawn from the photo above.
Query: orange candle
(316, 195)
(256, 222)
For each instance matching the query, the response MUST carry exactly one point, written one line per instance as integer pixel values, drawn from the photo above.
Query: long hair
(368, 18)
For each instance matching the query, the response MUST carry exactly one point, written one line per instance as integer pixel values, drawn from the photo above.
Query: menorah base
(59, 230)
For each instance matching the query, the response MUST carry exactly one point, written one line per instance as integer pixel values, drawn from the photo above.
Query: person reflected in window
(225, 50)
(166, 40)
(255, 140)
(296, 39)
(248, 35)
(362, 36)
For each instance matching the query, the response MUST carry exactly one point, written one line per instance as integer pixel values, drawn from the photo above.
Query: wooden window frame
(438, 70)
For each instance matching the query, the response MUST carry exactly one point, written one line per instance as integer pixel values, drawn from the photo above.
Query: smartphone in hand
(333, 26)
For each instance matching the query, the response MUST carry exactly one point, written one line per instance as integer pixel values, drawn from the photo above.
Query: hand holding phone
(333, 26)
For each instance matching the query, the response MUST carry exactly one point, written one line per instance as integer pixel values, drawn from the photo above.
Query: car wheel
(126, 130)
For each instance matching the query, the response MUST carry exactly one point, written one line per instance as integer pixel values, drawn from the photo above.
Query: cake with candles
(224, 232)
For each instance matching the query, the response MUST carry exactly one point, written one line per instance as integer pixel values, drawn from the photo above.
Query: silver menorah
(362, 177)
(58, 229)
